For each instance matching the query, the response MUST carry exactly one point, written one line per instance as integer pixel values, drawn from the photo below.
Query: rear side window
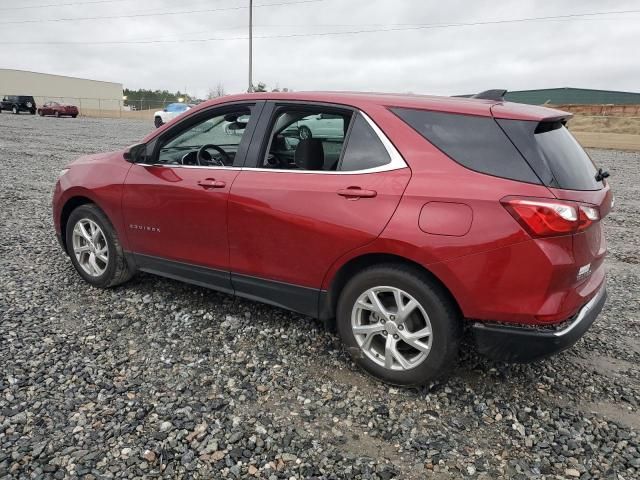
(475, 142)
(551, 149)
(364, 148)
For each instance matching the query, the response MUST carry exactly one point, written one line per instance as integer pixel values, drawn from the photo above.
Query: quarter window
(476, 142)
(364, 148)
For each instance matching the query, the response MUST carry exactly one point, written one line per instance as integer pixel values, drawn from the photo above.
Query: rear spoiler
(497, 95)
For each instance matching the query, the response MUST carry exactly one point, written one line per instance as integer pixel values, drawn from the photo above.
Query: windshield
(177, 107)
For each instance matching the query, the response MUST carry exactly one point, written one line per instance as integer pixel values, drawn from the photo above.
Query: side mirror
(135, 153)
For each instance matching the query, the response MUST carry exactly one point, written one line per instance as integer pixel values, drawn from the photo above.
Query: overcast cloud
(594, 52)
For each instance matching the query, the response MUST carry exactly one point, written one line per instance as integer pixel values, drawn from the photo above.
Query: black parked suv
(18, 103)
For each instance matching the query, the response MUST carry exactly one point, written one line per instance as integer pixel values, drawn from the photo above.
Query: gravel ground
(159, 378)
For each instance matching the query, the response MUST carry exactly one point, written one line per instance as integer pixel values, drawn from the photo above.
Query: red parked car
(426, 217)
(58, 110)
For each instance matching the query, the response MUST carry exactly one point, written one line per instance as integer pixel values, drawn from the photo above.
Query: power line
(93, 2)
(344, 32)
(186, 12)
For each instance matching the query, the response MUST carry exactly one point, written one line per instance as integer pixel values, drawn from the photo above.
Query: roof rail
(497, 94)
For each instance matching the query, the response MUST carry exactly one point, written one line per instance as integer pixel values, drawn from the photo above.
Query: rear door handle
(209, 183)
(356, 192)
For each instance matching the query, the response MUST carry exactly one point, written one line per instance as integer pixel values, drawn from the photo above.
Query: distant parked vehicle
(58, 109)
(18, 103)
(323, 126)
(169, 113)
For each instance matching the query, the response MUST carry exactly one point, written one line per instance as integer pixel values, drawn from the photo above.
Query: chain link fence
(109, 107)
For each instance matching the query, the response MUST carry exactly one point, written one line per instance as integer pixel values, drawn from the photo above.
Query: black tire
(304, 133)
(41, 113)
(32, 112)
(442, 312)
(157, 121)
(118, 270)
(74, 116)
(57, 114)
(15, 110)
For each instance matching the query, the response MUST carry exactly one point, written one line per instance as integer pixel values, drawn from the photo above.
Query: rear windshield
(473, 141)
(556, 156)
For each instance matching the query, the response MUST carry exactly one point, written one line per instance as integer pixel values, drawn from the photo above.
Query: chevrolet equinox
(406, 221)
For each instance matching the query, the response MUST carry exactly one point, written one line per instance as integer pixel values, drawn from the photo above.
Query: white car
(169, 113)
(325, 126)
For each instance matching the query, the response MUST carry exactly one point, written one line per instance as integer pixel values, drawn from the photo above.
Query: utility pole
(250, 89)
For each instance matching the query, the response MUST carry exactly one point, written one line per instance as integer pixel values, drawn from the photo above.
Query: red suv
(409, 220)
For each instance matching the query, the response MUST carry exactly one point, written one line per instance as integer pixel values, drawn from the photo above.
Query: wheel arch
(70, 205)
(329, 298)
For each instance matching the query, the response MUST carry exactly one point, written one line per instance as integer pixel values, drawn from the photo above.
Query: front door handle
(209, 183)
(356, 192)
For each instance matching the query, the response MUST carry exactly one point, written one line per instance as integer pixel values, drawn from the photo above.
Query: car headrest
(310, 154)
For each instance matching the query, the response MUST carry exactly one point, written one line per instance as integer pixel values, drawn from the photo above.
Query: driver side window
(213, 141)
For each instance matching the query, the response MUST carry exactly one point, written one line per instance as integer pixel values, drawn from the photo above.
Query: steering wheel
(200, 158)
(274, 161)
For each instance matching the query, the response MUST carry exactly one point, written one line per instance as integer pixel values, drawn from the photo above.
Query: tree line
(143, 99)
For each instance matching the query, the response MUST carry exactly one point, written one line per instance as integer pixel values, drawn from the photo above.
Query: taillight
(548, 218)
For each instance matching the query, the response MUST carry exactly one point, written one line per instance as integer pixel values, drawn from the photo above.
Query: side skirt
(185, 272)
(284, 295)
(299, 299)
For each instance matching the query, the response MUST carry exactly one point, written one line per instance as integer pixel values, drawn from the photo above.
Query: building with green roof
(569, 95)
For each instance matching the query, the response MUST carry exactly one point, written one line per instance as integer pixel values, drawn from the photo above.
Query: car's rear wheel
(399, 325)
(94, 248)
(32, 112)
(57, 114)
(41, 113)
(157, 122)
(304, 132)
(74, 116)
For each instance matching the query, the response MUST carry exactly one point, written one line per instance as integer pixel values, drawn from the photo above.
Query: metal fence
(83, 103)
(108, 107)
(601, 110)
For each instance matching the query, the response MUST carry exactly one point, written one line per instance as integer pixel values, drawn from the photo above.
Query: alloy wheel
(90, 247)
(391, 328)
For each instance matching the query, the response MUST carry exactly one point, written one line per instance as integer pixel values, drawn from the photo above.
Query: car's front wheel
(94, 248)
(399, 325)
(15, 110)
(157, 121)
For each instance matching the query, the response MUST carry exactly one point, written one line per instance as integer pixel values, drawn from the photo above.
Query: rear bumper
(523, 345)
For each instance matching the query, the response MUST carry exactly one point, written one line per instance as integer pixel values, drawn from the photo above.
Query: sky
(414, 46)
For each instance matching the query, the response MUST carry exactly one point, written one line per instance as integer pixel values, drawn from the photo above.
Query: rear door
(299, 205)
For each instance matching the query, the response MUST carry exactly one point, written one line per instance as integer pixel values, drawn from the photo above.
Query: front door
(306, 202)
(175, 204)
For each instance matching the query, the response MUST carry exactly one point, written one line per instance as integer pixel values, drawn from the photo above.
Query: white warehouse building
(44, 87)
